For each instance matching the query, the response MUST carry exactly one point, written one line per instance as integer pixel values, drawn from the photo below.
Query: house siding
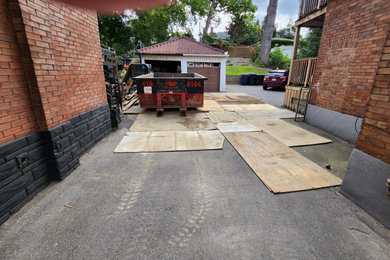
(352, 79)
(353, 38)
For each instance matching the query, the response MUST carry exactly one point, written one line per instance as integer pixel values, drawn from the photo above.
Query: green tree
(308, 46)
(278, 60)
(243, 27)
(287, 32)
(124, 31)
(238, 9)
(114, 32)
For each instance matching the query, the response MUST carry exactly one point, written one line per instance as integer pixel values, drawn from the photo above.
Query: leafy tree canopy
(287, 32)
(124, 31)
(308, 46)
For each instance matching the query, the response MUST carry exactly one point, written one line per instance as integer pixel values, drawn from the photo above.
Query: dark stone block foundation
(28, 164)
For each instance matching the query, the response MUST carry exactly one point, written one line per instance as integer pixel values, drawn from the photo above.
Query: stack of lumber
(130, 100)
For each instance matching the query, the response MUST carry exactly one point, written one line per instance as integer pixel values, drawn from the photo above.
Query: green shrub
(280, 42)
(278, 60)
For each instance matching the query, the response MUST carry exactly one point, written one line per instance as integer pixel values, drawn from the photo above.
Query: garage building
(186, 55)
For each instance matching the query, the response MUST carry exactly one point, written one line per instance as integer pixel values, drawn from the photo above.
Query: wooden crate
(291, 96)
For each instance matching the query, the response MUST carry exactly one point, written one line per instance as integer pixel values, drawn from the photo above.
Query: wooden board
(210, 105)
(237, 127)
(273, 113)
(172, 121)
(225, 117)
(248, 107)
(168, 141)
(279, 167)
(219, 96)
(289, 134)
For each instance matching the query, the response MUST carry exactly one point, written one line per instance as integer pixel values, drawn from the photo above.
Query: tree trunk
(269, 27)
(210, 15)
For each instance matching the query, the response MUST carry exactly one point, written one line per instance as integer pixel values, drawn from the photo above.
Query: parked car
(275, 78)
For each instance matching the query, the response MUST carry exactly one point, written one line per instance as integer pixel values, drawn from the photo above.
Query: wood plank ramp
(169, 141)
(237, 127)
(273, 113)
(248, 107)
(172, 121)
(279, 167)
(289, 134)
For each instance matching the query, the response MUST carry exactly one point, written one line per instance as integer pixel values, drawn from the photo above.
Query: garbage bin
(244, 79)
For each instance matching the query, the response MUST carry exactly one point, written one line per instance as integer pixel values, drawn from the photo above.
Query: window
(215, 64)
(199, 64)
(190, 64)
(207, 64)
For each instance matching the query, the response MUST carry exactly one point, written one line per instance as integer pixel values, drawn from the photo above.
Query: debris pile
(130, 99)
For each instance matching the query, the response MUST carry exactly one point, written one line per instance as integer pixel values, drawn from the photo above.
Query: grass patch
(244, 69)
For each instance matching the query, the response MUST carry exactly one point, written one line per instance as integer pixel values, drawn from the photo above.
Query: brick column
(34, 33)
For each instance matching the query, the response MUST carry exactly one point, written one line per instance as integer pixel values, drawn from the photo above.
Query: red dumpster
(170, 90)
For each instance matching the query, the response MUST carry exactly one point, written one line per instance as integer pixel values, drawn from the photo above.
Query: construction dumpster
(170, 90)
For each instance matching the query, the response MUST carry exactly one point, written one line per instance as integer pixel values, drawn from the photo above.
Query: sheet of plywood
(273, 113)
(168, 141)
(279, 167)
(237, 127)
(225, 117)
(172, 121)
(210, 105)
(136, 109)
(218, 96)
(248, 107)
(289, 134)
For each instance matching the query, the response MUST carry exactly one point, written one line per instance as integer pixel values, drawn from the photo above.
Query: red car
(275, 78)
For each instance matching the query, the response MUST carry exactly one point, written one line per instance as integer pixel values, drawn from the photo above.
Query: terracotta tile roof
(181, 46)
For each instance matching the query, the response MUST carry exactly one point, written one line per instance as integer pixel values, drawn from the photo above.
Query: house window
(199, 64)
(215, 64)
(190, 64)
(207, 64)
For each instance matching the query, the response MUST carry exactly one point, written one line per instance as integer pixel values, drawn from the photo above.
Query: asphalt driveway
(185, 205)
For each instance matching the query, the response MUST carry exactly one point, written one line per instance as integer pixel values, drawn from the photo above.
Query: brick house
(350, 97)
(53, 103)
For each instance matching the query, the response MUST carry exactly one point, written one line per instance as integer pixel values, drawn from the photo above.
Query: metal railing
(301, 72)
(308, 7)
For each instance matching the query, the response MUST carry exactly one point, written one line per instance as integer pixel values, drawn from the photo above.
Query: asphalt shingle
(181, 46)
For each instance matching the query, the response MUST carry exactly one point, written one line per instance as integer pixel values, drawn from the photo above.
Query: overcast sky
(287, 9)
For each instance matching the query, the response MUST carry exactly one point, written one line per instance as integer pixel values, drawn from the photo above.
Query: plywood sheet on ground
(231, 97)
(237, 100)
(135, 110)
(225, 117)
(273, 113)
(237, 127)
(289, 134)
(279, 167)
(168, 141)
(210, 105)
(248, 107)
(172, 121)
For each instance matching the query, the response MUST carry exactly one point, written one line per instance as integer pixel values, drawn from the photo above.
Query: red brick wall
(65, 50)
(374, 137)
(351, 45)
(17, 116)
(55, 47)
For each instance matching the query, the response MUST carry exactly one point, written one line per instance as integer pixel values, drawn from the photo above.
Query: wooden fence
(302, 71)
(241, 51)
(291, 97)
